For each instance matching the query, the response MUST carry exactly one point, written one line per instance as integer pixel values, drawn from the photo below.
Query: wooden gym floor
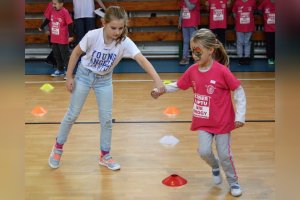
(139, 124)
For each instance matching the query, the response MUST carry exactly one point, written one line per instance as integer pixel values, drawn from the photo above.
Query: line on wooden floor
(139, 122)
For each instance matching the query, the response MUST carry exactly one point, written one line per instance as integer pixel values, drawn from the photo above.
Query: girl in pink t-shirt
(218, 17)
(189, 20)
(213, 111)
(244, 25)
(60, 23)
(268, 8)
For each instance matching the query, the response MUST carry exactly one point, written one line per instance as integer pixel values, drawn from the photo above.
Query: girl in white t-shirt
(213, 112)
(103, 49)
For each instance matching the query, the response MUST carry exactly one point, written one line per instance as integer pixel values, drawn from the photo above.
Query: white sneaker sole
(105, 165)
(52, 166)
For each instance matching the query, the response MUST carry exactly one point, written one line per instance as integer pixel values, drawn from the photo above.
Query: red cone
(174, 181)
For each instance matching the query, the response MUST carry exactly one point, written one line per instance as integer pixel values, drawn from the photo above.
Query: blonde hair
(116, 12)
(208, 39)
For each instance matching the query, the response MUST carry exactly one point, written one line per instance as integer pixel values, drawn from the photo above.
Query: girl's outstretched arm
(147, 66)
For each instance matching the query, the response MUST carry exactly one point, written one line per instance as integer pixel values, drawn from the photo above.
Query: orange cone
(174, 180)
(39, 111)
(171, 111)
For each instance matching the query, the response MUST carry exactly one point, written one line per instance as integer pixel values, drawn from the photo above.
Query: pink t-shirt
(59, 21)
(190, 18)
(244, 20)
(217, 14)
(268, 9)
(212, 107)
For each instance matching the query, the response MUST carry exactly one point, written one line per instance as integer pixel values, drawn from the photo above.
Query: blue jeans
(102, 86)
(243, 44)
(187, 33)
(82, 26)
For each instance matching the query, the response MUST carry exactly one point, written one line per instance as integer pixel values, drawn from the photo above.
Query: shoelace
(110, 161)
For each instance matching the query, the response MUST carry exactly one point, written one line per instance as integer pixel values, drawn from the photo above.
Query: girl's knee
(204, 152)
(224, 157)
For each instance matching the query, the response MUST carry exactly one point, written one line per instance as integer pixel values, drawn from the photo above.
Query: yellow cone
(47, 87)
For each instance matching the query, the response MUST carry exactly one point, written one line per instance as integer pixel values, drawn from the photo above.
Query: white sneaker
(235, 190)
(217, 176)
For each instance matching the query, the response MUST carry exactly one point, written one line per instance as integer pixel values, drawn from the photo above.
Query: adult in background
(84, 17)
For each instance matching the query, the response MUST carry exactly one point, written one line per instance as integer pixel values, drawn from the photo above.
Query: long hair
(116, 12)
(209, 40)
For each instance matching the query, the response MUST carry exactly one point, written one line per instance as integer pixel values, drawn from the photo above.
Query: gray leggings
(223, 141)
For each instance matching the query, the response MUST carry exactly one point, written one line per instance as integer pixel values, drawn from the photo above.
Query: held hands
(155, 93)
(238, 124)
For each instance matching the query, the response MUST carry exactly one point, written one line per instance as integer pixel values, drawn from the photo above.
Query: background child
(244, 25)
(268, 8)
(103, 49)
(218, 17)
(213, 112)
(61, 33)
(189, 20)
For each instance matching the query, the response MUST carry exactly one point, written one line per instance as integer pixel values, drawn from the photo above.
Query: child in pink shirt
(60, 23)
(218, 17)
(213, 111)
(244, 26)
(189, 20)
(268, 8)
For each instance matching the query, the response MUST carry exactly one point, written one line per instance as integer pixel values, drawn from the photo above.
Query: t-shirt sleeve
(48, 10)
(130, 49)
(86, 41)
(231, 81)
(68, 18)
(184, 82)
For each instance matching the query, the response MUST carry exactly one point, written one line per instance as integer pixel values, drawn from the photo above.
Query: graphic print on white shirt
(201, 106)
(101, 61)
(101, 58)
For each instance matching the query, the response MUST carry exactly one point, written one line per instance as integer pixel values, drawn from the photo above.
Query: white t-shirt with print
(101, 58)
(83, 8)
